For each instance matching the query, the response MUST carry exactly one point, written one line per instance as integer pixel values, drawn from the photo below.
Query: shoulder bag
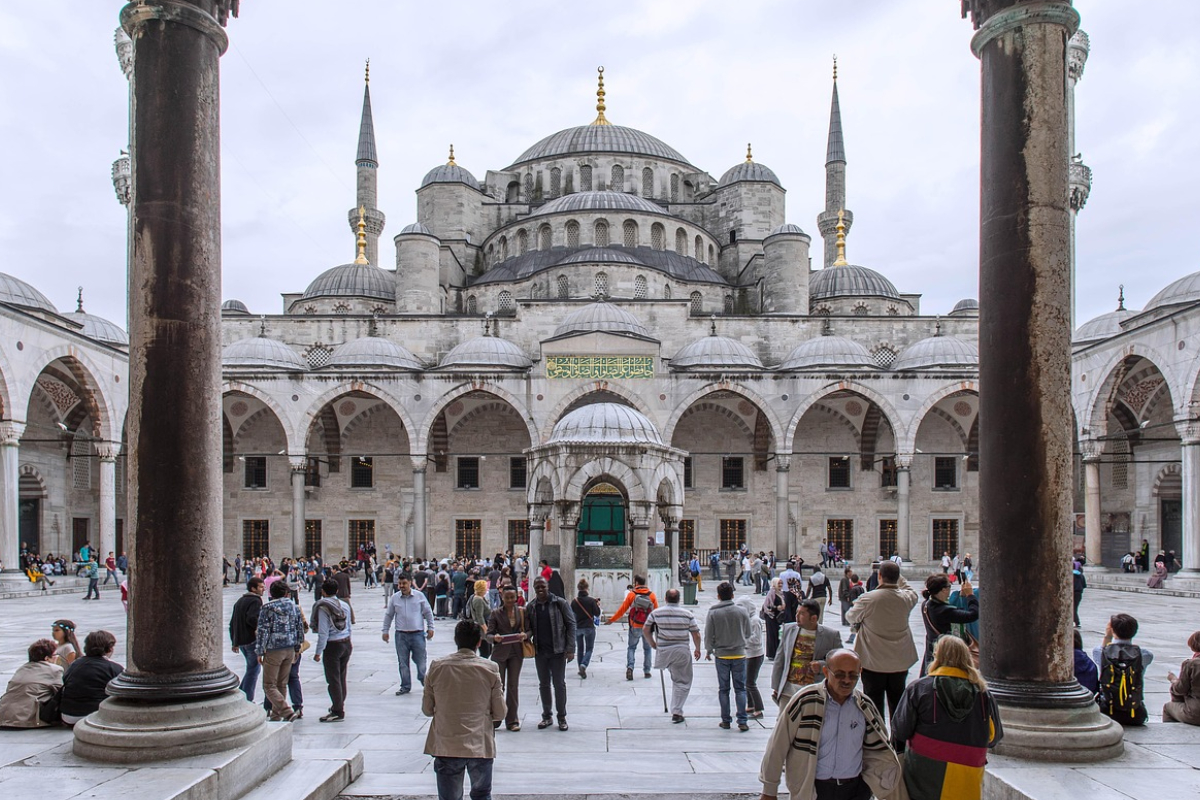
(527, 647)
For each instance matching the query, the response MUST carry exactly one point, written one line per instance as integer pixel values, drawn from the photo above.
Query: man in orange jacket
(638, 603)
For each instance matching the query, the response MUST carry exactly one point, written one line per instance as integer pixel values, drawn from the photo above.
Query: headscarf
(772, 594)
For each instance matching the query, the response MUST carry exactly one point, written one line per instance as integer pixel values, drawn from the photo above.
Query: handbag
(528, 650)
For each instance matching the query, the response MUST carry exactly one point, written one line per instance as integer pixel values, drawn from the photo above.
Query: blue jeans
(411, 644)
(449, 773)
(585, 642)
(734, 668)
(250, 679)
(635, 636)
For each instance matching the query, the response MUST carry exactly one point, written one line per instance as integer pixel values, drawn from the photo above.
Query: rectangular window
(256, 472)
(312, 538)
(687, 535)
(840, 534)
(362, 472)
(80, 533)
(518, 534)
(733, 533)
(733, 473)
(887, 473)
(468, 538)
(312, 472)
(468, 473)
(839, 472)
(945, 473)
(888, 541)
(362, 533)
(517, 472)
(945, 537)
(81, 463)
(687, 472)
(256, 537)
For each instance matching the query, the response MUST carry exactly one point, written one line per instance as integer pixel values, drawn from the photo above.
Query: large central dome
(600, 139)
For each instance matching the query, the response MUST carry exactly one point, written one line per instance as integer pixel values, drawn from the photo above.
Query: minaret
(835, 181)
(1079, 175)
(368, 166)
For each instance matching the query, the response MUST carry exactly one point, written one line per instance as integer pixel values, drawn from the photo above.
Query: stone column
(639, 530)
(782, 470)
(1189, 435)
(537, 535)
(671, 529)
(298, 466)
(107, 454)
(1091, 502)
(176, 698)
(10, 478)
(1025, 348)
(903, 485)
(420, 543)
(568, 523)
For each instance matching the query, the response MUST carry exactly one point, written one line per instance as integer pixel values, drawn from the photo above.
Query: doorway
(30, 524)
(602, 521)
(1171, 526)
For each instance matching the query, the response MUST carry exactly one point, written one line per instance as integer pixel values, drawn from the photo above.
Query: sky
(706, 77)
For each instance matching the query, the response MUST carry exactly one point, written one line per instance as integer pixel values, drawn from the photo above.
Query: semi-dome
(603, 317)
(1184, 290)
(449, 173)
(850, 281)
(263, 353)
(602, 255)
(828, 351)
(487, 352)
(353, 280)
(788, 228)
(715, 352)
(605, 423)
(675, 265)
(597, 201)
(234, 308)
(1103, 326)
(19, 293)
(100, 329)
(599, 139)
(373, 351)
(749, 171)
(938, 351)
(968, 307)
(415, 227)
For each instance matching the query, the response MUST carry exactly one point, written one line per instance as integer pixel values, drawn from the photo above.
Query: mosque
(595, 353)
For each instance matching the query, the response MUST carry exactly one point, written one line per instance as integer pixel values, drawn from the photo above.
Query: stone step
(311, 775)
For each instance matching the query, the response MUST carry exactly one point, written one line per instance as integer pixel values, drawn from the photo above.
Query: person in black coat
(939, 615)
(85, 681)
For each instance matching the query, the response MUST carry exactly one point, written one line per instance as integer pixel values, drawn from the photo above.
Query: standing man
(277, 644)
(458, 583)
(552, 624)
(803, 647)
(824, 552)
(831, 742)
(110, 569)
(333, 619)
(414, 625)
(694, 568)
(93, 578)
(638, 603)
(464, 699)
(885, 644)
(1079, 583)
(672, 624)
(725, 633)
(243, 629)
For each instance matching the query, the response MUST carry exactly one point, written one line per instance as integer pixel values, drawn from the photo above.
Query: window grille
(529, 187)
(647, 182)
(517, 472)
(681, 241)
(698, 249)
(697, 301)
(256, 537)
(888, 537)
(733, 534)
(505, 302)
(658, 236)
(563, 288)
(544, 239)
(839, 472)
(572, 234)
(81, 463)
(945, 537)
(468, 538)
(840, 533)
(256, 472)
(630, 231)
(687, 472)
(945, 472)
(641, 289)
(362, 472)
(601, 233)
(522, 242)
(585, 178)
(666, 291)
(518, 534)
(887, 473)
(361, 534)
(312, 537)
(472, 305)
(503, 248)
(728, 304)
(674, 188)
(602, 284)
(687, 535)
(617, 183)
(468, 473)
(318, 356)
(555, 182)
(733, 472)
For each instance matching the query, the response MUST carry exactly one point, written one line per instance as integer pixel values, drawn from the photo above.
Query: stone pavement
(620, 741)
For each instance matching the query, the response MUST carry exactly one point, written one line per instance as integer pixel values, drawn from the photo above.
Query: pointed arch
(764, 408)
(572, 398)
(1096, 403)
(425, 429)
(285, 419)
(908, 442)
(606, 467)
(889, 411)
(86, 372)
(542, 486)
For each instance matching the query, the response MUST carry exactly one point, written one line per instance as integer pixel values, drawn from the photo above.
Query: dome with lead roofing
(597, 201)
(938, 351)
(788, 229)
(415, 227)
(749, 171)
(1103, 326)
(829, 351)
(373, 351)
(605, 423)
(353, 280)
(449, 173)
(715, 352)
(262, 353)
(234, 308)
(850, 281)
(604, 138)
(487, 352)
(100, 329)
(1184, 290)
(19, 293)
(603, 317)
(968, 307)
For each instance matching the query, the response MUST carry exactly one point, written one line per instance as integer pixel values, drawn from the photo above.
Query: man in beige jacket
(885, 642)
(465, 700)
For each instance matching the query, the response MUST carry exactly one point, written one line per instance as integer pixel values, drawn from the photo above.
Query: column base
(130, 732)
(1074, 733)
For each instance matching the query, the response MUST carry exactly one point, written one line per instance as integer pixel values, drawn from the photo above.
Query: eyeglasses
(845, 676)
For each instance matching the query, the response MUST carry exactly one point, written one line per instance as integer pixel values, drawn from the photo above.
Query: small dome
(1184, 290)
(487, 352)
(828, 351)
(749, 171)
(261, 352)
(603, 255)
(372, 351)
(966, 308)
(610, 423)
(234, 308)
(938, 351)
(449, 173)
(17, 292)
(715, 352)
(1103, 326)
(850, 281)
(789, 228)
(416, 227)
(600, 139)
(100, 329)
(598, 201)
(604, 317)
(353, 280)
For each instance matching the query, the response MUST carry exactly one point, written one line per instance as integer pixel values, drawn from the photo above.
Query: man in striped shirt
(666, 631)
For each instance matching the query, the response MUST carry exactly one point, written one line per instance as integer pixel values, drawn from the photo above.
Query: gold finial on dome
(368, 70)
(600, 120)
(749, 155)
(841, 240)
(451, 163)
(361, 258)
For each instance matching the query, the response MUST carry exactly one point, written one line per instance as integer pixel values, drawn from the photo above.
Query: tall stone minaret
(368, 168)
(835, 180)
(1079, 175)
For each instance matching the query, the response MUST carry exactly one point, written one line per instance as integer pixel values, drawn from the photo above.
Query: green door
(603, 520)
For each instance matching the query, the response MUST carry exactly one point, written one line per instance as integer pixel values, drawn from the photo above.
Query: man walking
(342, 577)
(638, 603)
(277, 644)
(333, 619)
(803, 647)
(464, 699)
(885, 644)
(831, 742)
(93, 578)
(414, 625)
(110, 569)
(243, 629)
(666, 631)
(725, 633)
(552, 624)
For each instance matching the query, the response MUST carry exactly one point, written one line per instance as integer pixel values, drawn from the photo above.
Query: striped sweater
(792, 748)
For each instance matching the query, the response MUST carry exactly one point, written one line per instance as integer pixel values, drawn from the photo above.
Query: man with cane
(666, 631)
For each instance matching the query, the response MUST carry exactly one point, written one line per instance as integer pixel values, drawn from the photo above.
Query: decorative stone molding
(124, 47)
(992, 23)
(11, 433)
(1091, 449)
(122, 178)
(1079, 182)
(904, 460)
(1189, 431)
(1077, 54)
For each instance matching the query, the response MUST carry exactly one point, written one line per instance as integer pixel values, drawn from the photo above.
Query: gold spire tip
(600, 119)
(361, 258)
(451, 163)
(841, 240)
(368, 76)
(749, 155)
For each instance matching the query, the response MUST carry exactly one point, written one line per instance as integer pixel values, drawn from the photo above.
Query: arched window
(711, 259)
(697, 303)
(555, 182)
(522, 242)
(698, 252)
(471, 305)
(572, 234)
(666, 291)
(630, 230)
(602, 284)
(617, 184)
(674, 188)
(505, 303)
(647, 182)
(585, 178)
(563, 289)
(341, 308)
(544, 237)
(491, 256)
(640, 288)
(528, 187)
(503, 248)
(658, 236)
(601, 233)
(681, 241)
(728, 304)
(535, 291)
(861, 310)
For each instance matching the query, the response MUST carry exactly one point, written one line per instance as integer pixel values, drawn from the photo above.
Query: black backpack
(1121, 684)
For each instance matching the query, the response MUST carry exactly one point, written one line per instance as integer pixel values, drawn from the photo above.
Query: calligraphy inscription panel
(592, 367)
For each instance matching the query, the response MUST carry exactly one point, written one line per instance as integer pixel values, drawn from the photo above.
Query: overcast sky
(493, 78)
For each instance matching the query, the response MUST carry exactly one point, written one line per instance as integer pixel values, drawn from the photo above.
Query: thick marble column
(1091, 503)
(10, 478)
(568, 524)
(298, 466)
(176, 698)
(671, 529)
(639, 530)
(107, 456)
(903, 516)
(1189, 435)
(537, 537)
(782, 470)
(420, 543)
(1025, 346)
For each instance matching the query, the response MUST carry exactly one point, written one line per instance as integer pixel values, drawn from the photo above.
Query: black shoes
(562, 724)
(646, 674)
(677, 718)
(331, 717)
(628, 674)
(545, 723)
(723, 725)
(402, 691)
(743, 727)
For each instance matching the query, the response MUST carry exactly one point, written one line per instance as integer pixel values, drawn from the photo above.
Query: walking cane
(663, 679)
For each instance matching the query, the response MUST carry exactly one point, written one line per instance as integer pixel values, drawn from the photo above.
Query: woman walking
(479, 609)
(939, 615)
(772, 613)
(507, 631)
(587, 611)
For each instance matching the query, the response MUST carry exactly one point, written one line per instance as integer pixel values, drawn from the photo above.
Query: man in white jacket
(885, 642)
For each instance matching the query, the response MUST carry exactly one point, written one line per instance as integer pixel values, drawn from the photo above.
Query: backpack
(1121, 684)
(641, 608)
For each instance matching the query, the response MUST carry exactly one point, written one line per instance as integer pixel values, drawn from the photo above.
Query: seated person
(33, 683)
(85, 680)
(1185, 688)
(1085, 668)
(1123, 666)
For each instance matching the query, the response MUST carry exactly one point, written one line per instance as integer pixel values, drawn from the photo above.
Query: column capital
(11, 433)
(904, 460)
(1091, 449)
(1188, 430)
(135, 16)
(991, 23)
(106, 452)
(783, 462)
(297, 463)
